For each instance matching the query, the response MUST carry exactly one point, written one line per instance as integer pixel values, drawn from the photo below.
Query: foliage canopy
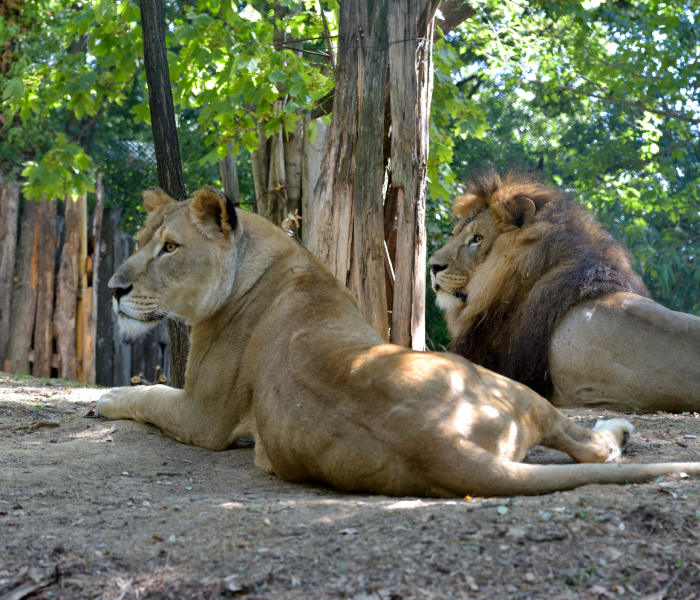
(599, 96)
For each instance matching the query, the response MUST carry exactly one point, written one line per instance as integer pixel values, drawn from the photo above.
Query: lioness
(280, 352)
(533, 288)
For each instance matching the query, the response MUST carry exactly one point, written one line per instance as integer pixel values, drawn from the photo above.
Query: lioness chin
(280, 352)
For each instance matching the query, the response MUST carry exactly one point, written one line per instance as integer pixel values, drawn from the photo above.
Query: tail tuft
(617, 432)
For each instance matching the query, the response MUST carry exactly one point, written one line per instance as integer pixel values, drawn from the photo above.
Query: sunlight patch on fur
(464, 418)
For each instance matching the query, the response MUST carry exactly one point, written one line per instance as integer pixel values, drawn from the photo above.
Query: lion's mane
(561, 257)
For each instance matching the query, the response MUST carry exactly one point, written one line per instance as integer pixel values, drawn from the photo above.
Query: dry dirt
(91, 508)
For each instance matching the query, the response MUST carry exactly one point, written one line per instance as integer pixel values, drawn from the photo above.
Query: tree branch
(454, 12)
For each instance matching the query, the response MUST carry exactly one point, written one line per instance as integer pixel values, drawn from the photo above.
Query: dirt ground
(91, 508)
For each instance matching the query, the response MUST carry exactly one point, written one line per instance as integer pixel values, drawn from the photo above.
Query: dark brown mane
(563, 257)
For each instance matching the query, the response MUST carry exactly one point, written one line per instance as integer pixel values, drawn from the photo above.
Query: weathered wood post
(9, 213)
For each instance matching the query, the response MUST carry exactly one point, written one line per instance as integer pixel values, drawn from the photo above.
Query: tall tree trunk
(384, 61)
(367, 279)
(411, 84)
(313, 152)
(331, 237)
(167, 148)
(9, 213)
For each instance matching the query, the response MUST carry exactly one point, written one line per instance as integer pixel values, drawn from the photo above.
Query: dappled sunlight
(230, 505)
(510, 440)
(98, 433)
(463, 419)
(456, 382)
(31, 394)
(417, 503)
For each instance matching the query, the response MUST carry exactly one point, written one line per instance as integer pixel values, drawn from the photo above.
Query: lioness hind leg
(603, 443)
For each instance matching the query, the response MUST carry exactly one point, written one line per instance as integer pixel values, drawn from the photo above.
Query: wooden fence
(55, 307)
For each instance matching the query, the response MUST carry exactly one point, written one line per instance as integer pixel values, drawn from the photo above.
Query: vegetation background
(598, 97)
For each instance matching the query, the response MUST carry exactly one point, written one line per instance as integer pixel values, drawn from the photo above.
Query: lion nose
(118, 291)
(435, 268)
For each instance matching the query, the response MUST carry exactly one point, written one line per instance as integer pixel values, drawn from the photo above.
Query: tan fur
(551, 300)
(280, 352)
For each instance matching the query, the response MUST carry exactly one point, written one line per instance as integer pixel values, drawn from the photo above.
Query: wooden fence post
(93, 266)
(105, 325)
(85, 295)
(24, 292)
(67, 293)
(9, 210)
(46, 266)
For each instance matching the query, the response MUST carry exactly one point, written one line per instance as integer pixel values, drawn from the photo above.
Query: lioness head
(184, 265)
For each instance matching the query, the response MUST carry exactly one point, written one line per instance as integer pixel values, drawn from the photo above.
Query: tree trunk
(24, 293)
(67, 293)
(167, 147)
(46, 264)
(331, 236)
(277, 172)
(367, 280)
(372, 235)
(411, 84)
(9, 211)
(313, 150)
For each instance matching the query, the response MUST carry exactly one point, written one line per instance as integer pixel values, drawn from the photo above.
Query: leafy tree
(601, 98)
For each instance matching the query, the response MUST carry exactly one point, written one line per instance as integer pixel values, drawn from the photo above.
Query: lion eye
(476, 239)
(168, 247)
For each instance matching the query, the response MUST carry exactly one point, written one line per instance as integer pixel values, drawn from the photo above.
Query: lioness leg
(171, 410)
(602, 443)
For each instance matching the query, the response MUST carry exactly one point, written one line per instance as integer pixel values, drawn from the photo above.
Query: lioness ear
(154, 198)
(515, 212)
(213, 213)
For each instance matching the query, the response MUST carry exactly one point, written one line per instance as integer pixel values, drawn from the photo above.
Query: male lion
(533, 288)
(280, 352)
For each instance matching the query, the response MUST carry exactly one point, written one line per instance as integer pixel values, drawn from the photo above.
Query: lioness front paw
(108, 404)
(618, 432)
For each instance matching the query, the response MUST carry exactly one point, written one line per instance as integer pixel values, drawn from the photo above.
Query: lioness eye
(169, 247)
(476, 239)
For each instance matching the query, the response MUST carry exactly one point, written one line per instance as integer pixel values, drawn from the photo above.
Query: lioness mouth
(460, 296)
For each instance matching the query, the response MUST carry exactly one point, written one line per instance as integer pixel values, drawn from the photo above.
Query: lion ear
(515, 212)
(213, 212)
(154, 198)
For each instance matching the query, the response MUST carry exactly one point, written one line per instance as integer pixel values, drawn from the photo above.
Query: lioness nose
(119, 291)
(437, 268)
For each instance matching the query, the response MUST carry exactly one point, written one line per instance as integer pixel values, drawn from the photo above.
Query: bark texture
(9, 213)
(369, 209)
(67, 293)
(43, 322)
(24, 292)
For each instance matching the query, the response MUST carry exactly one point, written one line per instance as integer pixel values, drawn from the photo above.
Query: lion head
(178, 240)
(520, 255)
